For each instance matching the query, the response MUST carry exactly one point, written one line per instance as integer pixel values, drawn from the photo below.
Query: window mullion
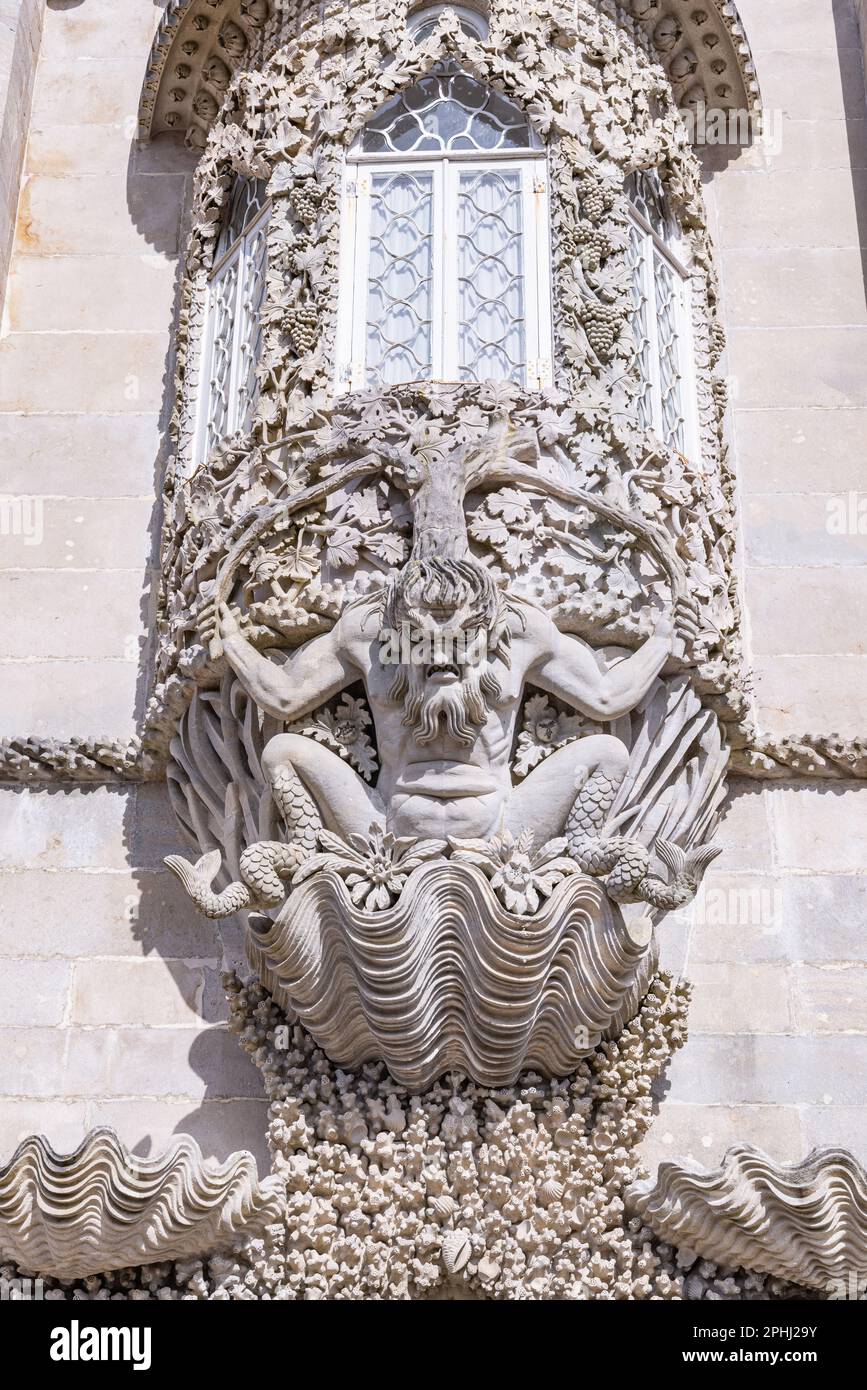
(445, 367)
(537, 271)
(686, 368)
(237, 339)
(360, 283)
(206, 357)
(350, 290)
(649, 251)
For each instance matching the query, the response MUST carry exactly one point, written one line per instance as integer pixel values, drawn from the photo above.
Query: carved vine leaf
(342, 726)
(545, 730)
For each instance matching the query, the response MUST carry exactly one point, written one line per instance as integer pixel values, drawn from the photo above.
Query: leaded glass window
(661, 320)
(232, 340)
(422, 23)
(445, 271)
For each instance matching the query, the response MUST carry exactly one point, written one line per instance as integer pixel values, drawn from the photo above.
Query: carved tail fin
(197, 879)
(687, 868)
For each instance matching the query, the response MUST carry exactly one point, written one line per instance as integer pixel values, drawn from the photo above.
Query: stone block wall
(791, 228)
(110, 1008)
(777, 944)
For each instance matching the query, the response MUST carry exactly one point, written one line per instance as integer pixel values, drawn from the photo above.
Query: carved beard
(453, 586)
(463, 707)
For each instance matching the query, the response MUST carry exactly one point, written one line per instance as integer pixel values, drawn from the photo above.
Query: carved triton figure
(445, 727)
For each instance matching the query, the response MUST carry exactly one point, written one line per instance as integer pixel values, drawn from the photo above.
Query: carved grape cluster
(306, 199)
(602, 326)
(592, 246)
(302, 324)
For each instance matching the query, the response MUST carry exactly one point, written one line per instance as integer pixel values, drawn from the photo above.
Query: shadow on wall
(855, 109)
(231, 1112)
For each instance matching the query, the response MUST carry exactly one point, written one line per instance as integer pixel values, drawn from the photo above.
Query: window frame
(674, 253)
(446, 168)
(240, 255)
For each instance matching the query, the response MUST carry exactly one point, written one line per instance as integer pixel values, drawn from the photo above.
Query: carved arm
(568, 671)
(310, 675)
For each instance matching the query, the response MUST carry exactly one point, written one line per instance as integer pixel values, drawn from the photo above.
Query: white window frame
(355, 259)
(674, 253)
(237, 255)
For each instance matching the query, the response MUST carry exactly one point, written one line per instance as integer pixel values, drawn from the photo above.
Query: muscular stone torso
(445, 787)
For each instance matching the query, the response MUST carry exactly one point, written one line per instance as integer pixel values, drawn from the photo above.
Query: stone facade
(776, 950)
(85, 358)
(110, 1001)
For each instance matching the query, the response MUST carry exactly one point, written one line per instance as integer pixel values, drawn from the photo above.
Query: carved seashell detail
(551, 1191)
(457, 1249)
(71, 1215)
(447, 978)
(806, 1222)
(444, 1206)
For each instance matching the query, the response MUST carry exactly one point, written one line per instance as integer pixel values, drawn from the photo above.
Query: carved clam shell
(447, 979)
(456, 1251)
(99, 1208)
(806, 1222)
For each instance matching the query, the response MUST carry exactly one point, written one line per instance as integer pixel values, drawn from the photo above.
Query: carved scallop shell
(550, 1191)
(444, 1206)
(448, 979)
(456, 1251)
(806, 1222)
(70, 1215)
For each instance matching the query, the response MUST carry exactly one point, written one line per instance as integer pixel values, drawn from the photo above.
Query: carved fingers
(686, 624)
(217, 621)
(687, 620)
(208, 623)
(228, 623)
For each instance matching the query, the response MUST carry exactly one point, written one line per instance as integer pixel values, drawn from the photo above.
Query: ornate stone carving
(488, 1193)
(453, 865)
(806, 1222)
(805, 755)
(211, 40)
(445, 719)
(703, 49)
(78, 760)
(101, 1207)
(448, 979)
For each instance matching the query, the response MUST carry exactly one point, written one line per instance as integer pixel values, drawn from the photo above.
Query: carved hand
(216, 623)
(683, 628)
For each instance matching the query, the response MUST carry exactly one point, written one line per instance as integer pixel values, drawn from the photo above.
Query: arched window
(233, 333)
(661, 317)
(445, 270)
(422, 22)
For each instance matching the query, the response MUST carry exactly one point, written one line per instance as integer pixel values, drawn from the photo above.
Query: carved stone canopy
(200, 44)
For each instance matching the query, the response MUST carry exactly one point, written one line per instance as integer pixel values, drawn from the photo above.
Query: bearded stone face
(444, 621)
